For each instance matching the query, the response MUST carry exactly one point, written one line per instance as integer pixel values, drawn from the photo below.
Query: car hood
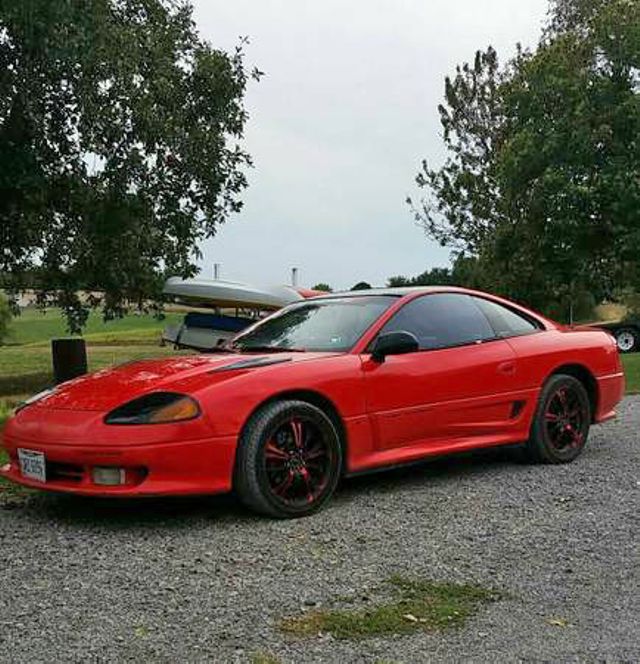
(105, 389)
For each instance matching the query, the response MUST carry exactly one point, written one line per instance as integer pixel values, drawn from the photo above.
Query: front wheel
(289, 459)
(561, 424)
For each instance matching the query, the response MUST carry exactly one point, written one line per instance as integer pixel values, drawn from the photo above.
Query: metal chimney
(216, 271)
(294, 276)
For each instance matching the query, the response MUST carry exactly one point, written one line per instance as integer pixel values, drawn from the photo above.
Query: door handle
(507, 368)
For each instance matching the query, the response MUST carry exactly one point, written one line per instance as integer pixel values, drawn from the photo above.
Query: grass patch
(143, 337)
(631, 365)
(26, 384)
(34, 325)
(414, 605)
(11, 495)
(6, 409)
(264, 658)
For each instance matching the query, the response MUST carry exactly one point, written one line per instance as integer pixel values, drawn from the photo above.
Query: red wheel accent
(298, 462)
(565, 419)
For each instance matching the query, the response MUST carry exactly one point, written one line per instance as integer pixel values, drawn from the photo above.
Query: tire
(289, 460)
(561, 423)
(627, 339)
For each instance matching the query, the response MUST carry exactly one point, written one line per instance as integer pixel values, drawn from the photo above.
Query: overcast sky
(339, 124)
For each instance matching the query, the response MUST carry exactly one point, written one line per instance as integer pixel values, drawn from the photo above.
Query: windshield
(322, 325)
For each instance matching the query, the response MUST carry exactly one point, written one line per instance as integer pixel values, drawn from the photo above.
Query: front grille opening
(66, 472)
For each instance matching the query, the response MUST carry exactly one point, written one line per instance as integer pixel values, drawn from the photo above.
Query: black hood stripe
(252, 363)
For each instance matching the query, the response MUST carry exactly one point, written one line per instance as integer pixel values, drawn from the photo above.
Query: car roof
(406, 291)
(400, 291)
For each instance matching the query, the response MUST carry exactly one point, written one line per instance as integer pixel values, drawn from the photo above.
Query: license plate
(32, 465)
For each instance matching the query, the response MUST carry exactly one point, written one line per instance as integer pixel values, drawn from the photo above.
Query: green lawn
(34, 326)
(6, 407)
(632, 372)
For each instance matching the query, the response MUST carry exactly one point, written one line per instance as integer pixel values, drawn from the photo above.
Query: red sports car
(336, 385)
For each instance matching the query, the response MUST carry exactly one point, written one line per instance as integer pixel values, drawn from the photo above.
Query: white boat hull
(214, 293)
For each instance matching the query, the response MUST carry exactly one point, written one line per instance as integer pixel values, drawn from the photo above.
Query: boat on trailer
(235, 306)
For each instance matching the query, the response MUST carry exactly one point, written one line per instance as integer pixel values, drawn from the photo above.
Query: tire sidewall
(254, 487)
(540, 440)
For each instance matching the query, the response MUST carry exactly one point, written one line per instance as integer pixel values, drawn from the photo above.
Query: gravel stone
(198, 580)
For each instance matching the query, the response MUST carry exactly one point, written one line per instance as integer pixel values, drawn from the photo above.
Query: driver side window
(442, 320)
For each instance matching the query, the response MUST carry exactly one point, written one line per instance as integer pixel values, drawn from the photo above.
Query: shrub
(631, 300)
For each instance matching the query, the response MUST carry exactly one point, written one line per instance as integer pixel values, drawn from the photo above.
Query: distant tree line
(539, 196)
(464, 273)
(361, 285)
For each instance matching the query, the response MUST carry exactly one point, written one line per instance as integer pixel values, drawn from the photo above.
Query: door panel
(435, 395)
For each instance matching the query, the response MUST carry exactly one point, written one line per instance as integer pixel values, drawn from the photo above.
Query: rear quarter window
(505, 321)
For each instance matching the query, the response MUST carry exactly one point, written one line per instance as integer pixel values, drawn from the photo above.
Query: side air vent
(516, 409)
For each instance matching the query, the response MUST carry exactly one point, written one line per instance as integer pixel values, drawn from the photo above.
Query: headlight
(155, 408)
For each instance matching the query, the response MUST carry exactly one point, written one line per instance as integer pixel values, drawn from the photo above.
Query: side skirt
(415, 455)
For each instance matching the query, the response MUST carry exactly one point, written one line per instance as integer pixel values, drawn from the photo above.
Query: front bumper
(161, 469)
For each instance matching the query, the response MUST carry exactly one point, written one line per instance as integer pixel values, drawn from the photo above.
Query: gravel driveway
(202, 580)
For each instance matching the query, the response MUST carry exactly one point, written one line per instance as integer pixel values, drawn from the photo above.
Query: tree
(323, 287)
(118, 131)
(5, 319)
(361, 285)
(398, 281)
(573, 15)
(542, 185)
(465, 271)
(461, 205)
(571, 164)
(436, 276)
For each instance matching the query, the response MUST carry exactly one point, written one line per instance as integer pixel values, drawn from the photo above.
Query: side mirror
(394, 343)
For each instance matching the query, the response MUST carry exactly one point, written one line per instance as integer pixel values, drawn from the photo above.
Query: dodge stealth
(335, 385)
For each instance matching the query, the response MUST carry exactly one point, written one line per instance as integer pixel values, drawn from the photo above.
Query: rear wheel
(289, 460)
(561, 424)
(627, 339)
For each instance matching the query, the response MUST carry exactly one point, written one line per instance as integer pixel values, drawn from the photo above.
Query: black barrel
(69, 359)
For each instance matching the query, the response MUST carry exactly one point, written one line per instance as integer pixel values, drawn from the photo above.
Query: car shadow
(444, 469)
(166, 512)
(181, 512)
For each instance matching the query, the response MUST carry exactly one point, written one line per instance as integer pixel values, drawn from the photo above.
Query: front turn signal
(181, 409)
(155, 408)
